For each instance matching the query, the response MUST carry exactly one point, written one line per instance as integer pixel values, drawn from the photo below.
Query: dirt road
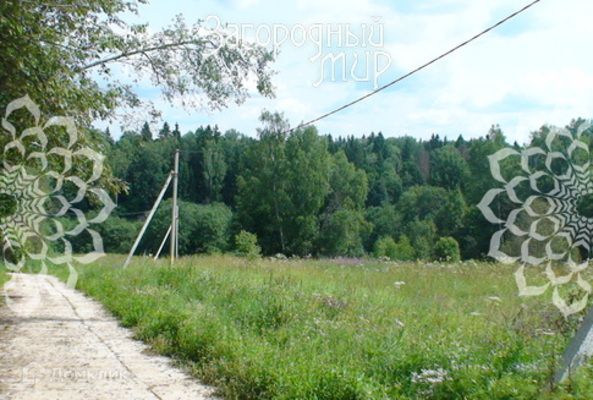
(55, 343)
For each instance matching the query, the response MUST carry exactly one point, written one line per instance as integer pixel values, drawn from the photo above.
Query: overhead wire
(414, 71)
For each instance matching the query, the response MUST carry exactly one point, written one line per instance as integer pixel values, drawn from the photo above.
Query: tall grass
(320, 330)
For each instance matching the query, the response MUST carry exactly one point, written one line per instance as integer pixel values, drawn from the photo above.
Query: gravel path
(55, 343)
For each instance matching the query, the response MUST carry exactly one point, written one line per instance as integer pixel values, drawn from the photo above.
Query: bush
(385, 247)
(203, 228)
(404, 250)
(246, 245)
(118, 234)
(400, 251)
(210, 228)
(447, 249)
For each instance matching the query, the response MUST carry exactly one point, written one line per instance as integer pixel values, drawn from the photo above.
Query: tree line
(305, 193)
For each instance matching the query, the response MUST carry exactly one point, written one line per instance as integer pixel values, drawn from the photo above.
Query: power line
(423, 66)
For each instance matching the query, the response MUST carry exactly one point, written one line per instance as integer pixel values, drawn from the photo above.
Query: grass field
(324, 330)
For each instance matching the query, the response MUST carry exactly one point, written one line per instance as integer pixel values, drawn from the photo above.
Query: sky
(536, 69)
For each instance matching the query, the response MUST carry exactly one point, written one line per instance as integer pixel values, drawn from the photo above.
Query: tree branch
(134, 52)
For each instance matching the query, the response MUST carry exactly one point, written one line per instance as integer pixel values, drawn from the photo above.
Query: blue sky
(536, 69)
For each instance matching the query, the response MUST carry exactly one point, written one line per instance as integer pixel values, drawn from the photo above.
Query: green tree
(481, 178)
(145, 174)
(448, 169)
(422, 202)
(343, 226)
(410, 155)
(307, 173)
(108, 136)
(165, 131)
(348, 184)
(262, 198)
(284, 187)
(451, 215)
(385, 220)
(146, 133)
(235, 147)
(345, 233)
(214, 166)
(422, 234)
(58, 53)
(176, 132)
(61, 55)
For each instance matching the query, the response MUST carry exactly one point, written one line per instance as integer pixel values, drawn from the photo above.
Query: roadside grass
(4, 277)
(314, 329)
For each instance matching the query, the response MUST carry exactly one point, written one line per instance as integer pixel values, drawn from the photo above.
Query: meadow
(342, 329)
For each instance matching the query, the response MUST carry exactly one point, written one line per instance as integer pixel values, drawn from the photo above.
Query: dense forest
(306, 194)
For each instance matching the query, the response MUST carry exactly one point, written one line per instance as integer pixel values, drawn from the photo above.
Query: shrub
(246, 245)
(203, 228)
(210, 228)
(447, 249)
(385, 247)
(404, 250)
(400, 251)
(118, 234)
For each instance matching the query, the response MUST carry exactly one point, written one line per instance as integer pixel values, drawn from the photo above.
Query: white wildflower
(432, 376)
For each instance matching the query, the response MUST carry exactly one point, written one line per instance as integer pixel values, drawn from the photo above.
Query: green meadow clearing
(334, 329)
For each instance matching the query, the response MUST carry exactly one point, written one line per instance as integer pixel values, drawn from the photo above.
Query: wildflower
(432, 376)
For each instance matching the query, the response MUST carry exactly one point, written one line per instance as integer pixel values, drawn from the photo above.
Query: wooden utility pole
(174, 214)
(177, 236)
(148, 219)
(158, 253)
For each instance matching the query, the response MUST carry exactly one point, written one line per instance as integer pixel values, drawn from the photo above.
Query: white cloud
(536, 70)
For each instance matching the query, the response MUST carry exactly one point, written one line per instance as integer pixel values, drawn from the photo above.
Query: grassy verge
(320, 330)
(4, 277)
